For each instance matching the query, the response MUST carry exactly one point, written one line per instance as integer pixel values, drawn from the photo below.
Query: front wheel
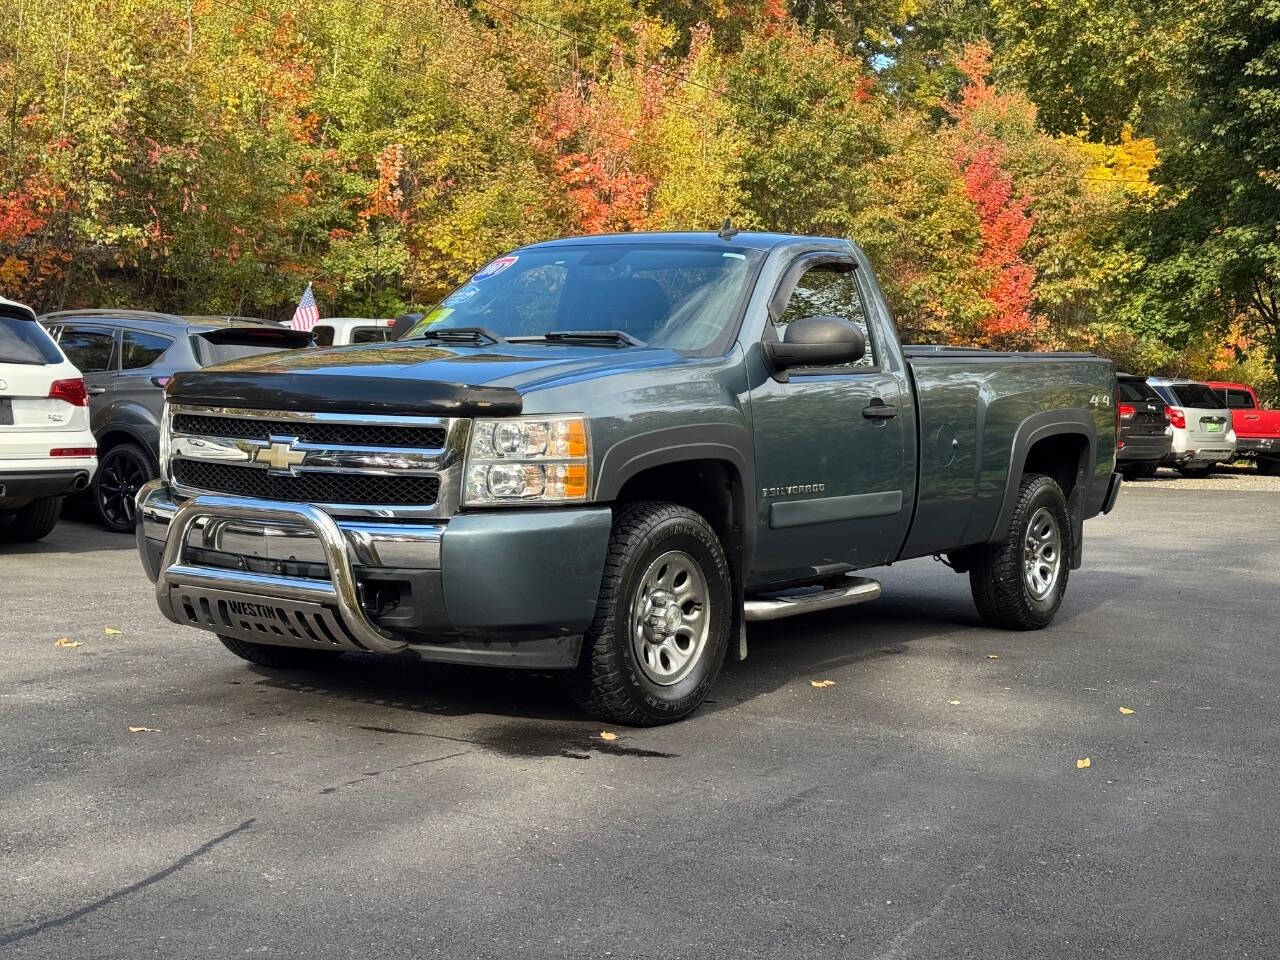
(662, 620)
(1019, 582)
(269, 655)
(122, 471)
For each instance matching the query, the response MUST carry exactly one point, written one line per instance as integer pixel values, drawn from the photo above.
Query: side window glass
(369, 335)
(830, 290)
(324, 336)
(92, 350)
(141, 349)
(1239, 400)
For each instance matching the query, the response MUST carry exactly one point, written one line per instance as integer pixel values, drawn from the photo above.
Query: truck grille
(342, 434)
(338, 488)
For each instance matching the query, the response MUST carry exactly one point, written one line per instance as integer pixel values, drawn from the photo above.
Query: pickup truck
(604, 456)
(1257, 430)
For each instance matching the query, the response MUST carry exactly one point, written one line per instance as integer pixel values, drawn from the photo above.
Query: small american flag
(305, 317)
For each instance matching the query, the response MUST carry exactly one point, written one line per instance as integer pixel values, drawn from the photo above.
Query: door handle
(1252, 416)
(877, 409)
(97, 391)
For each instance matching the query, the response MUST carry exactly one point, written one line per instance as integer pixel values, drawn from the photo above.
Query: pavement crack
(374, 774)
(183, 861)
(904, 938)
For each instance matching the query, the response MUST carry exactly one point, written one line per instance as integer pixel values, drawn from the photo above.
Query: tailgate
(25, 404)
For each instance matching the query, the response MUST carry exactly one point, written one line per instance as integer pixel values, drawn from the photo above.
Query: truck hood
(406, 377)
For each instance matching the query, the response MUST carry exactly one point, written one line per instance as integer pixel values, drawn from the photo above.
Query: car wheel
(122, 471)
(268, 655)
(1149, 468)
(1269, 467)
(1019, 583)
(33, 522)
(662, 619)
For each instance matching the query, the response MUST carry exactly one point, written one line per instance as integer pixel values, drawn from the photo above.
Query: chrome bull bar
(297, 611)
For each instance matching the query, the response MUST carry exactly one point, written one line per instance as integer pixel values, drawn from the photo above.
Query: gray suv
(127, 358)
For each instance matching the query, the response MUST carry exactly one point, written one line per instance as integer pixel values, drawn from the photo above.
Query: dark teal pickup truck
(604, 456)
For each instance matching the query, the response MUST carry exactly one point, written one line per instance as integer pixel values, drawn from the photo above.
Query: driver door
(830, 443)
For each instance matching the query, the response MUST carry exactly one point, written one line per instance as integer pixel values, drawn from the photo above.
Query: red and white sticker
(495, 267)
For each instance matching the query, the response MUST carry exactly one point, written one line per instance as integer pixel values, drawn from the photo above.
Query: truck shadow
(781, 653)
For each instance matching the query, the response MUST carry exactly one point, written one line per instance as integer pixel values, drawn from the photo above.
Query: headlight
(527, 460)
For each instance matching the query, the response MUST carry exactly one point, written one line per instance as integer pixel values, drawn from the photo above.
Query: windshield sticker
(435, 316)
(461, 295)
(495, 267)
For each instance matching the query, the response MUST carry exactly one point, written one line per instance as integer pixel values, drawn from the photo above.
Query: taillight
(72, 391)
(1126, 411)
(161, 382)
(1176, 417)
(73, 452)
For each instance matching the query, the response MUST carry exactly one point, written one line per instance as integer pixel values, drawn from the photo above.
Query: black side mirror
(820, 341)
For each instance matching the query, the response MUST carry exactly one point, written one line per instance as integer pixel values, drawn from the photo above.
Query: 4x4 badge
(279, 455)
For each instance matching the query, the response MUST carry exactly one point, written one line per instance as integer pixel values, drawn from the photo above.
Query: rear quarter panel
(974, 411)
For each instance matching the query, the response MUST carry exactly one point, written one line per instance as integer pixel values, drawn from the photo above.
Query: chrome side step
(775, 607)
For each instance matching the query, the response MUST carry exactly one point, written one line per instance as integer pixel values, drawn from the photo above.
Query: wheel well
(113, 438)
(710, 488)
(1064, 456)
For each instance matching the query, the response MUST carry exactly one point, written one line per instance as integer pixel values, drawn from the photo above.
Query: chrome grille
(360, 464)
(352, 488)
(374, 435)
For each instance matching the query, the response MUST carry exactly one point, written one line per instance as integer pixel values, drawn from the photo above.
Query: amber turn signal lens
(577, 439)
(575, 480)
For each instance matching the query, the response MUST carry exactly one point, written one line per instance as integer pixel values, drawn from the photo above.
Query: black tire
(1139, 469)
(32, 522)
(998, 581)
(268, 655)
(1269, 467)
(611, 681)
(1196, 473)
(1149, 468)
(122, 470)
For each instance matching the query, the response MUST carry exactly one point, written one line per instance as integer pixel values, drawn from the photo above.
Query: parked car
(1257, 430)
(127, 357)
(46, 448)
(1202, 433)
(1146, 436)
(604, 454)
(340, 331)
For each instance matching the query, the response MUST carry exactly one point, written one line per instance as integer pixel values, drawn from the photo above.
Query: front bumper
(512, 588)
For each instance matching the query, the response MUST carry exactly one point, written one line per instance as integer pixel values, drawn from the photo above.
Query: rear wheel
(1019, 583)
(662, 620)
(33, 522)
(122, 471)
(1269, 466)
(267, 655)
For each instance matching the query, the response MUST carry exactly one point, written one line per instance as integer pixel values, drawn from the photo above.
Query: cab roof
(745, 238)
(148, 317)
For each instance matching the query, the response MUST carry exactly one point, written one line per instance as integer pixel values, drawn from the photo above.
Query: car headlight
(527, 460)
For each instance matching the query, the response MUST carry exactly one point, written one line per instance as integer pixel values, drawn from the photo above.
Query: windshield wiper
(616, 337)
(460, 335)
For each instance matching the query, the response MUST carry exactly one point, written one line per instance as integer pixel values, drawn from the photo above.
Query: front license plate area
(288, 623)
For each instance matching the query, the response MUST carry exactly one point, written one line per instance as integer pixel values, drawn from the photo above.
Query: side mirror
(820, 341)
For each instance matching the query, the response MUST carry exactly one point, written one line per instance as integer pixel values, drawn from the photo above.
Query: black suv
(1145, 434)
(127, 358)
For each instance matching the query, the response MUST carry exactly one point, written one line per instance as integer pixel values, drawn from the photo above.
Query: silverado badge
(279, 455)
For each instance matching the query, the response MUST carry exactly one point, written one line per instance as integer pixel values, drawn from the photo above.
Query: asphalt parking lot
(930, 803)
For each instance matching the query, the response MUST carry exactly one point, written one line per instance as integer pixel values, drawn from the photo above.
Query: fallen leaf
(954, 703)
(606, 735)
(993, 656)
(1126, 711)
(819, 684)
(1083, 762)
(64, 642)
(143, 730)
(113, 632)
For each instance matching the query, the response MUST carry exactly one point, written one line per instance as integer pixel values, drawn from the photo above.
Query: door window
(91, 349)
(830, 289)
(1239, 400)
(370, 335)
(140, 349)
(324, 335)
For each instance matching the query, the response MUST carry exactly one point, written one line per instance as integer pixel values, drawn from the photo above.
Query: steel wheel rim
(670, 618)
(1042, 554)
(120, 478)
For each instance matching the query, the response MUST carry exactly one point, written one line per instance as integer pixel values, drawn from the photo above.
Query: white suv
(46, 448)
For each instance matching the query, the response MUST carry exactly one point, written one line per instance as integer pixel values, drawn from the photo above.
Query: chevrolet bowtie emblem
(279, 455)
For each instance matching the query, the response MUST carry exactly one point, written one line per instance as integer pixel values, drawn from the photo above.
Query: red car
(1257, 430)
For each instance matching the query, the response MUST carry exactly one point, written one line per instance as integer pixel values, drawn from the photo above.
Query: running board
(854, 590)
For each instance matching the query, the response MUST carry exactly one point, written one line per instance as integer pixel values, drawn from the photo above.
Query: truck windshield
(682, 297)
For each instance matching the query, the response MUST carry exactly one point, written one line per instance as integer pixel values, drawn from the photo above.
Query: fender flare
(135, 422)
(1072, 421)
